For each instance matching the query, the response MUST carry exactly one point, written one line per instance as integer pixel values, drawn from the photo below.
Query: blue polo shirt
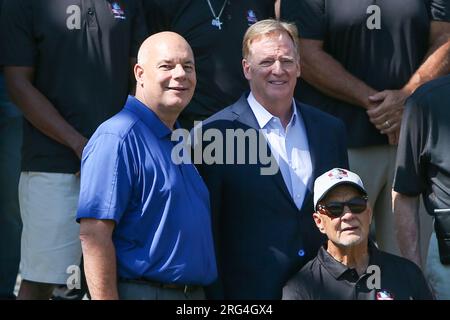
(162, 214)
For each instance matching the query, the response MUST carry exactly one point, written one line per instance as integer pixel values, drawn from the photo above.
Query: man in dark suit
(264, 231)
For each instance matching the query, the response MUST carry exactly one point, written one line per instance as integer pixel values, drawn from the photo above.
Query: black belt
(174, 286)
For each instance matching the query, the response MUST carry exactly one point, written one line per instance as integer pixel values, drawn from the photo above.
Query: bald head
(166, 39)
(165, 74)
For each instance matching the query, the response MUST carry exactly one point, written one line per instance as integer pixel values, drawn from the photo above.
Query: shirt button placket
(90, 14)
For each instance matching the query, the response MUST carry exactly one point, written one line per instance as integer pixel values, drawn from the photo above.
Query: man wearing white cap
(349, 266)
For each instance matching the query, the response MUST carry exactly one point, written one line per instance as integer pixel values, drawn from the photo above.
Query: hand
(393, 137)
(387, 115)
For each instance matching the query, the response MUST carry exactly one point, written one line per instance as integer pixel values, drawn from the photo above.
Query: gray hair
(268, 27)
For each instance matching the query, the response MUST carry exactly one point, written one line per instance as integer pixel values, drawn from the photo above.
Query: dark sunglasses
(336, 209)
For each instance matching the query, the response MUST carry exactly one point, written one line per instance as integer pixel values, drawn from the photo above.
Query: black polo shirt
(80, 52)
(218, 53)
(423, 161)
(325, 278)
(384, 58)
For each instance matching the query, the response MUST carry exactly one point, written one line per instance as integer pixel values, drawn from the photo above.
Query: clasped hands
(385, 112)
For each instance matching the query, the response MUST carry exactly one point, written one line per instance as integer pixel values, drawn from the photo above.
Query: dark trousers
(130, 290)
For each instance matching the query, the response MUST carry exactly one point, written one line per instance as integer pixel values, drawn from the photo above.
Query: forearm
(437, 59)
(436, 65)
(327, 75)
(100, 266)
(40, 112)
(99, 258)
(406, 213)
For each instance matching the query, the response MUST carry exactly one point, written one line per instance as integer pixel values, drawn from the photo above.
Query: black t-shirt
(325, 278)
(383, 58)
(423, 156)
(80, 52)
(218, 53)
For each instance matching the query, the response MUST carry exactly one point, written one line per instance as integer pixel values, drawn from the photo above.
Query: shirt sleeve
(308, 15)
(440, 10)
(18, 45)
(138, 29)
(106, 179)
(409, 164)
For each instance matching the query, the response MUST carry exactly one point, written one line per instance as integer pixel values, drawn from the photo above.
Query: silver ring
(387, 124)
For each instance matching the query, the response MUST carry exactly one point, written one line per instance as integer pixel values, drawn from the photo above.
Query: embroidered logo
(338, 174)
(383, 295)
(117, 11)
(251, 17)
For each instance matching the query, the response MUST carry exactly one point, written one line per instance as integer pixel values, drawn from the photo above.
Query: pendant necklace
(216, 21)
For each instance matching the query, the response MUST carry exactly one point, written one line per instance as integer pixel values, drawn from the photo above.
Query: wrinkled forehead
(274, 38)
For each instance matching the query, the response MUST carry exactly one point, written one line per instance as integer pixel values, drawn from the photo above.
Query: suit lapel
(313, 136)
(244, 115)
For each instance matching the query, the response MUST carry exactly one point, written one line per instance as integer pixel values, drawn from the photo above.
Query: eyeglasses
(336, 209)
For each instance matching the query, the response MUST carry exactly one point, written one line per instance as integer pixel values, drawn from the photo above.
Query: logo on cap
(338, 174)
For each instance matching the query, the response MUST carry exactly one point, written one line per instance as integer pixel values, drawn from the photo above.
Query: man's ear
(299, 69)
(319, 222)
(246, 69)
(139, 74)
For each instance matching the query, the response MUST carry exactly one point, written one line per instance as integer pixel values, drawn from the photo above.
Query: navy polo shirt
(162, 214)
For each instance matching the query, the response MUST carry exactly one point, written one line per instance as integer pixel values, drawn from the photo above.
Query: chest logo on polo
(74, 19)
(251, 17)
(384, 295)
(374, 20)
(117, 11)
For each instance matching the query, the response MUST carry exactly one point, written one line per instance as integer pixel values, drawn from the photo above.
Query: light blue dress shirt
(289, 147)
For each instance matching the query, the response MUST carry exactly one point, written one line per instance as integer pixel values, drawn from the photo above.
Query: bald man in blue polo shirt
(144, 220)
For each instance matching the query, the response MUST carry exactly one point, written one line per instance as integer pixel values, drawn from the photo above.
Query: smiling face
(272, 68)
(349, 229)
(166, 73)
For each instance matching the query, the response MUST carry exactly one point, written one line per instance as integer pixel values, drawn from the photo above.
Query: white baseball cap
(333, 178)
